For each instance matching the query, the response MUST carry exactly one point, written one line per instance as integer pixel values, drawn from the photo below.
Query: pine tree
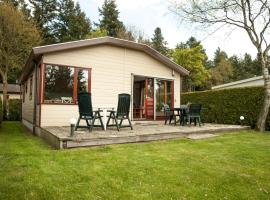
(219, 55)
(110, 18)
(71, 23)
(190, 43)
(245, 67)
(44, 13)
(158, 42)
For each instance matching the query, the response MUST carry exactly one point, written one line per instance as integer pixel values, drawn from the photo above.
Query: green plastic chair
(194, 113)
(86, 112)
(169, 114)
(122, 112)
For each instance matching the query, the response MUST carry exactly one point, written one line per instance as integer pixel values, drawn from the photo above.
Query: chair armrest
(111, 110)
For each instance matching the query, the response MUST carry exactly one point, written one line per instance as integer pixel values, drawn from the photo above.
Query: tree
(245, 67)
(110, 18)
(44, 13)
(192, 59)
(222, 72)
(219, 55)
(158, 42)
(191, 43)
(126, 34)
(134, 34)
(144, 40)
(252, 16)
(20, 4)
(96, 33)
(13, 52)
(71, 23)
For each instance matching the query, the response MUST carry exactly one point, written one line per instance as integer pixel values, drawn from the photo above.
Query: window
(59, 82)
(62, 83)
(31, 88)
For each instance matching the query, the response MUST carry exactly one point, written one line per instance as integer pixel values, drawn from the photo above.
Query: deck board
(143, 132)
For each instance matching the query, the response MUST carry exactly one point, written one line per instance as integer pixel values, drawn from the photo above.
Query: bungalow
(256, 81)
(55, 74)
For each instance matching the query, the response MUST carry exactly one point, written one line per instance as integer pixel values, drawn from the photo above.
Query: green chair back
(85, 104)
(123, 105)
(166, 109)
(194, 109)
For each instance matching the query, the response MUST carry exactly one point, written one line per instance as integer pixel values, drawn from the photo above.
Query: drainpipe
(132, 96)
(21, 100)
(35, 99)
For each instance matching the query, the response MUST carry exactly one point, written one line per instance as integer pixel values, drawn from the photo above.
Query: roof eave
(39, 51)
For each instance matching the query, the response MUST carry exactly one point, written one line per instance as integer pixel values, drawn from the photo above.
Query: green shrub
(1, 111)
(226, 106)
(14, 109)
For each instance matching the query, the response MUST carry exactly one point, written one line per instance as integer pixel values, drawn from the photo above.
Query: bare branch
(252, 29)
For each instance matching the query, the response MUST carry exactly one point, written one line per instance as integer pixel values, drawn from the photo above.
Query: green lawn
(233, 166)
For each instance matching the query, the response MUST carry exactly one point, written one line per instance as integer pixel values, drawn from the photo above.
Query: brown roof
(12, 88)
(37, 52)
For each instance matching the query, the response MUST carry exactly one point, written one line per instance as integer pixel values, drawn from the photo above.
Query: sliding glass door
(164, 95)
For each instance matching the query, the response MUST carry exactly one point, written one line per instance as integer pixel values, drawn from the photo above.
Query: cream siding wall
(112, 69)
(28, 105)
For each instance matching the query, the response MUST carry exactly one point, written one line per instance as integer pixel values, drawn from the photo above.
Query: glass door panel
(160, 100)
(164, 95)
(149, 98)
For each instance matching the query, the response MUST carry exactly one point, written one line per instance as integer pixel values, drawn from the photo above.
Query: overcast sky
(146, 15)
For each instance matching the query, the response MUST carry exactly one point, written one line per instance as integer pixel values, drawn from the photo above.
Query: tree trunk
(260, 126)
(5, 84)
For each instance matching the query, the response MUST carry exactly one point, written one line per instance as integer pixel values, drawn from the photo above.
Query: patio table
(104, 111)
(182, 112)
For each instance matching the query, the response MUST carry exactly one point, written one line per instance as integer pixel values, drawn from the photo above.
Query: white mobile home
(256, 81)
(54, 75)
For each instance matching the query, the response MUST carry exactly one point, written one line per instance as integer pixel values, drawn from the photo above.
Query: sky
(146, 15)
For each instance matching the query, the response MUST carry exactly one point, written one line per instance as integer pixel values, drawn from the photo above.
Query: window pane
(59, 84)
(169, 93)
(163, 95)
(160, 100)
(83, 80)
(150, 88)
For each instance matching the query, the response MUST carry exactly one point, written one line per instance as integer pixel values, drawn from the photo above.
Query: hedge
(226, 106)
(14, 109)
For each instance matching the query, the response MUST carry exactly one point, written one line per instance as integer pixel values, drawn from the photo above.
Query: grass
(233, 166)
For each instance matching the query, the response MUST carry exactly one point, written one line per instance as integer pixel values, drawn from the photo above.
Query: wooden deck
(59, 137)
